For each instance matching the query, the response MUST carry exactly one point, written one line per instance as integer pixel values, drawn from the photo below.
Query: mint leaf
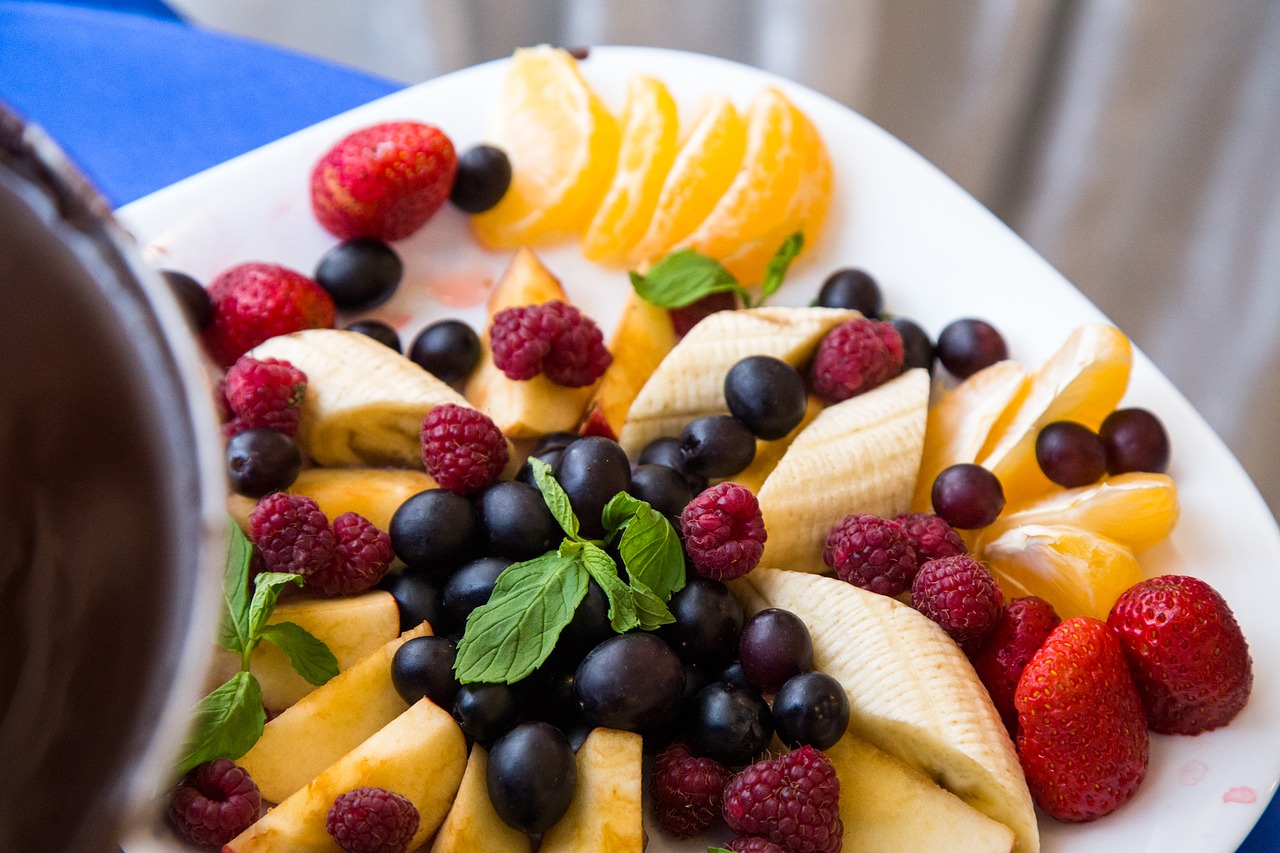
(233, 633)
(651, 611)
(554, 496)
(604, 571)
(651, 551)
(776, 269)
(718, 850)
(266, 590)
(510, 636)
(228, 722)
(619, 511)
(684, 277)
(310, 657)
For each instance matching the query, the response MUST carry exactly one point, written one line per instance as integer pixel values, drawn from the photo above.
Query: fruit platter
(687, 312)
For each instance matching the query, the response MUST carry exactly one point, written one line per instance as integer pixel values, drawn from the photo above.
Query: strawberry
(384, 181)
(1189, 659)
(1082, 736)
(1019, 632)
(256, 301)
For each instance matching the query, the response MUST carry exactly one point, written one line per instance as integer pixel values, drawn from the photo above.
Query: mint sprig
(685, 276)
(229, 721)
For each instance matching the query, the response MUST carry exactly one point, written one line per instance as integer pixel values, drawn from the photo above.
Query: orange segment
(563, 145)
(1078, 573)
(960, 422)
(1083, 381)
(1135, 510)
(649, 128)
(703, 169)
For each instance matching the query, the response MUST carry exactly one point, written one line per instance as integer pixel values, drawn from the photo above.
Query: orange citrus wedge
(649, 136)
(703, 168)
(1083, 381)
(959, 423)
(1078, 573)
(563, 146)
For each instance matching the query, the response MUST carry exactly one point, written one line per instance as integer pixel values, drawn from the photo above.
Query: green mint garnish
(229, 721)
(622, 606)
(554, 496)
(685, 276)
(650, 548)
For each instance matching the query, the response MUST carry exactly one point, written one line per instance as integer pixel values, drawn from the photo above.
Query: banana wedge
(689, 383)
(912, 692)
(364, 403)
(861, 455)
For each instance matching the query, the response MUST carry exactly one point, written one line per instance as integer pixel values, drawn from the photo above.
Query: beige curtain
(1132, 142)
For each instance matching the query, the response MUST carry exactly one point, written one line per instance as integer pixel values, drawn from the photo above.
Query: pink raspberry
(361, 556)
(856, 357)
(214, 803)
(372, 820)
(462, 448)
(1019, 632)
(793, 801)
(755, 844)
(686, 790)
(551, 338)
(265, 393)
(291, 533)
(931, 537)
(872, 553)
(959, 594)
(724, 531)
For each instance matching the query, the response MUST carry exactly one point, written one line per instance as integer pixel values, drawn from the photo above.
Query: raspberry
(462, 448)
(265, 393)
(361, 556)
(856, 357)
(724, 531)
(959, 594)
(214, 803)
(551, 338)
(383, 181)
(686, 790)
(372, 820)
(1019, 632)
(755, 844)
(291, 533)
(872, 553)
(253, 302)
(793, 801)
(931, 537)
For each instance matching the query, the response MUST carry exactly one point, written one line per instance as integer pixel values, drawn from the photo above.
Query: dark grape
(434, 530)
(967, 496)
(811, 708)
(774, 646)
(766, 394)
(733, 674)
(378, 330)
(662, 488)
(917, 347)
(708, 623)
(261, 461)
(553, 441)
(448, 349)
(729, 723)
(630, 681)
(516, 522)
(1135, 440)
(360, 273)
(485, 711)
(1070, 454)
(469, 587)
(193, 298)
(852, 288)
(531, 776)
(966, 346)
(550, 456)
(591, 471)
(423, 666)
(482, 179)
(417, 596)
(590, 624)
(666, 451)
(717, 446)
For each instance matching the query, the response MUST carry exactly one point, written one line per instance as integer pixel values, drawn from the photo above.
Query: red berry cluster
(554, 339)
(293, 535)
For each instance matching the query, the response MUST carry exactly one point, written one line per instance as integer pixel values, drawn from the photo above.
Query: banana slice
(689, 383)
(912, 692)
(861, 455)
(364, 403)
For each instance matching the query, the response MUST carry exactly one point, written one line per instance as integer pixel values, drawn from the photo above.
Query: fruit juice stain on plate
(460, 289)
(1243, 795)
(1192, 772)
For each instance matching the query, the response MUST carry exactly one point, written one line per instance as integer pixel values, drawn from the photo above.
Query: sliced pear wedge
(606, 810)
(472, 825)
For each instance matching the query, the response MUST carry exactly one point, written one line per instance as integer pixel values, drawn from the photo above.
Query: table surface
(140, 102)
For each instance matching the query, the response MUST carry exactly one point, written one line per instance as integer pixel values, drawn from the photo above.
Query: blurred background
(1133, 143)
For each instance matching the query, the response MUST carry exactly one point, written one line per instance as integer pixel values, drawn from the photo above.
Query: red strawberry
(383, 181)
(1082, 736)
(1189, 659)
(1019, 632)
(253, 302)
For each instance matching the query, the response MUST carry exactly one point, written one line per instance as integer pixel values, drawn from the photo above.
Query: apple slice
(375, 493)
(534, 407)
(886, 805)
(643, 337)
(606, 811)
(419, 755)
(472, 825)
(327, 723)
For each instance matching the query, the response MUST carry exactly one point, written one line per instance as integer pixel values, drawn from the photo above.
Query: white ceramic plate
(937, 254)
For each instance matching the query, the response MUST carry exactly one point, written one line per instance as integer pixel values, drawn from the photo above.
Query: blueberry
(717, 446)
(482, 179)
(811, 708)
(591, 471)
(469, 587)
(852, 288)
(261, 461)
(360, 273)
(423, 666)
(448, 349)
(417, 596)
(378, 330)
(532, 775)
(485, 711)
(766, 394)
(434, 530)
(729, 723)
(516, 521)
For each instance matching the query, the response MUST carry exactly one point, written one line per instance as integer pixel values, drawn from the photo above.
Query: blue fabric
(150, 8)
(140, 103)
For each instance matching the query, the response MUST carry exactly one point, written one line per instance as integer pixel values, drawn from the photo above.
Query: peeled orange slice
(563, 146)
(703, 168)
(960, 422)
(649, 134)
(1078, 573)
(1136, 510)
(1083, 381)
